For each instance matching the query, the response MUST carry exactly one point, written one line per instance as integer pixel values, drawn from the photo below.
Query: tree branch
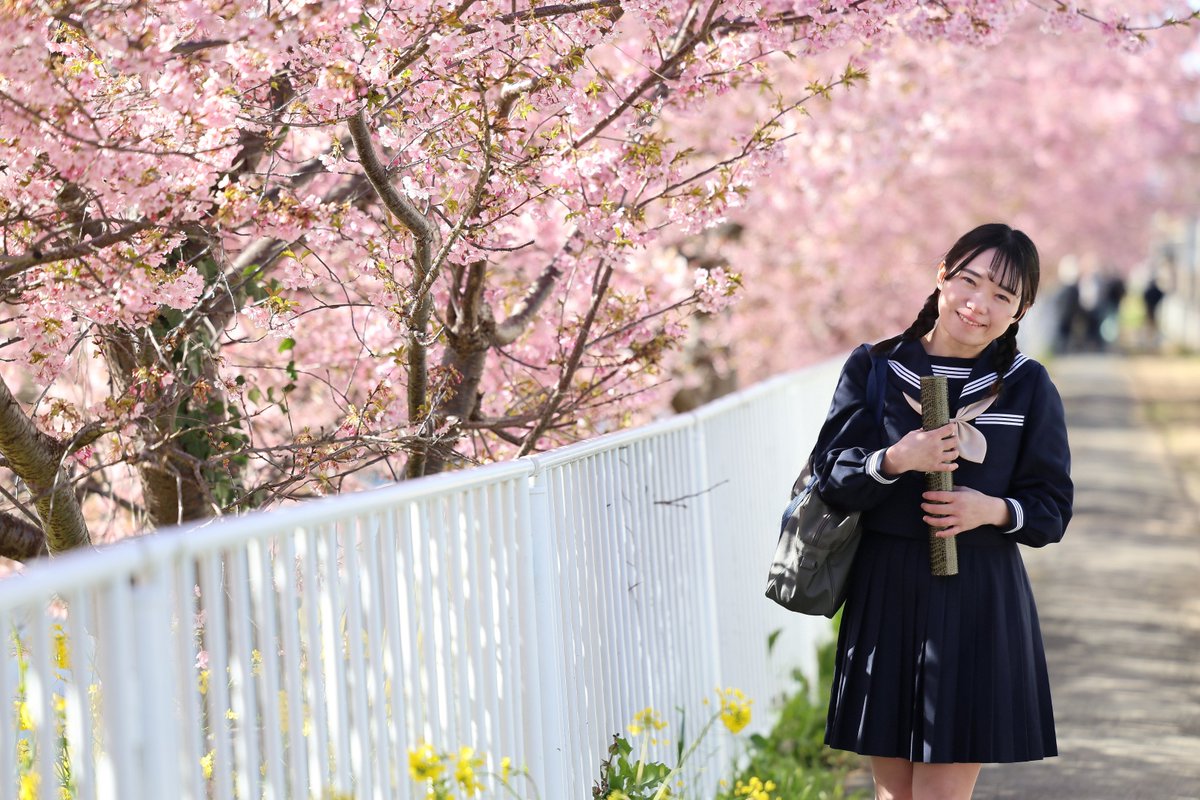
(545, 12)
(507, 332)
(604, 272)
(426, 234)
(672, 65)
(20, 540)
(86, 247)
(472, 207)
(187, 48)
(399, 205)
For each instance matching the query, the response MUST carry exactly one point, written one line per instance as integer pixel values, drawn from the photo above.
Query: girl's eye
(1003, 298)
(969, 280)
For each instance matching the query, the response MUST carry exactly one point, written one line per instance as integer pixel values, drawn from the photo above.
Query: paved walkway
(1119, 598)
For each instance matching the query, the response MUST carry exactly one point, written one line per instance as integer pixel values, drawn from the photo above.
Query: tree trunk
(467, 355)
(174, 489)
(37, 460)
(173, 492)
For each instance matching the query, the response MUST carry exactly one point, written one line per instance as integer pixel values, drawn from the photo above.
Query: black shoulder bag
(817, 543)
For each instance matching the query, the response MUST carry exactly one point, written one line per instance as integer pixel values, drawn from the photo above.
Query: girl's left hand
(962, 510)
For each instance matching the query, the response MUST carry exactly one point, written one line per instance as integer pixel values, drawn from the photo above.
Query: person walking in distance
(936, 675)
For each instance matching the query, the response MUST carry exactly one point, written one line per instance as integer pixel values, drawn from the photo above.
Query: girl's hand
(923, 451)
(962, 510)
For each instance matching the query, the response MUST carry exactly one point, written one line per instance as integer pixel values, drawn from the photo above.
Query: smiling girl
(937, 675)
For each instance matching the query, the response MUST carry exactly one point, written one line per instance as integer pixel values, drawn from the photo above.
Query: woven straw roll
(935, 412)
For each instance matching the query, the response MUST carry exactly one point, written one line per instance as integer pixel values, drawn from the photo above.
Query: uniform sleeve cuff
(875, 467)
(1016, 513)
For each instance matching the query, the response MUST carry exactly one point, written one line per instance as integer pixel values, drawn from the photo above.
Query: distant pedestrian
(1068, 314)
(936, 675)
(1110, 308)
(1091, 299)
(1152, 297)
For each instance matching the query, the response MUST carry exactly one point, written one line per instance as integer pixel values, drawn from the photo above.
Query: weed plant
(793, 761)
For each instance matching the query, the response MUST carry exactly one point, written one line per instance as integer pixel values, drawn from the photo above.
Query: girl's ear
(941, 274)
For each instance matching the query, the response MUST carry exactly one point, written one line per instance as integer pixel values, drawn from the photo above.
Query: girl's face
(973, 310)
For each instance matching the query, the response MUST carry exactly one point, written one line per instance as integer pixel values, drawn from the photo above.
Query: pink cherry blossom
(194, 259)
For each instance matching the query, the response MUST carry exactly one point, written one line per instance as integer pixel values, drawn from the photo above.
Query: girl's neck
(945, 347)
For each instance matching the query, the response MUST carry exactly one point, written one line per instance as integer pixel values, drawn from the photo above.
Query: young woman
(936, 675)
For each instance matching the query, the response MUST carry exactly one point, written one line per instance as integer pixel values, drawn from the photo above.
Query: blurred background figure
(1152, 297)
(1112, 292)
(1067, 308)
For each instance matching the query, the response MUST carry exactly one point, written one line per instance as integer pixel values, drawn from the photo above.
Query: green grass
(793, 756)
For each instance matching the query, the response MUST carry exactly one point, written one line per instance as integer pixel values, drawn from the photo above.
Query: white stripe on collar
(952, 372)
(979, 383)
(987, 380)
(905, 373)
(910, 377)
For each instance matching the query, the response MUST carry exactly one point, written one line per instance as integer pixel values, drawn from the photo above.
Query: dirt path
(1119, 598)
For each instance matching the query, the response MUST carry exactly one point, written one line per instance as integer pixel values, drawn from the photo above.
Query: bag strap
(876, 386)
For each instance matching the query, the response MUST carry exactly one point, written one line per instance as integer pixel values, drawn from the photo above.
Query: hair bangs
(1014, 263)
(1006, 272)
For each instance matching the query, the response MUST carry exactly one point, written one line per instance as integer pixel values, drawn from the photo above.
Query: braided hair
(1014, 266)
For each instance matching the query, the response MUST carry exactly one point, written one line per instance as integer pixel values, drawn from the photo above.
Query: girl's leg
(944, 781)
(893, 778)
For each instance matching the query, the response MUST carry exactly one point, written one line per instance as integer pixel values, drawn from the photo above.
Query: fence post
(158, 751)
(705, 527)
(550, 754)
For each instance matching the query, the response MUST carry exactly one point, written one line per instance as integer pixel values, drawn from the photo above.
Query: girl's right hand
(923, 451)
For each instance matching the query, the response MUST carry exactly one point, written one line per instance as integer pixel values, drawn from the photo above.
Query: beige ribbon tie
(972, 445)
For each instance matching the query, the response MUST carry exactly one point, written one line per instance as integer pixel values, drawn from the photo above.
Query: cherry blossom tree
(1072, 143)
(254, 252)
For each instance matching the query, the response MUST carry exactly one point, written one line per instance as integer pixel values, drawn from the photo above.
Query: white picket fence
(525, 609)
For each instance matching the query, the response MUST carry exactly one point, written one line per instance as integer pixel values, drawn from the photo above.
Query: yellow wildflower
(617, 794)
(29, 786)
(255, 663)
(644, 720)
(735, 709)
(505, 769)
(62, 654)
(424, 764)
(203, 679)
(206, 764)
(464, 771)
(755, 789)
(24, 718)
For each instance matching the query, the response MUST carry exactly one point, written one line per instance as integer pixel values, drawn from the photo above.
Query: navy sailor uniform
(944, 669)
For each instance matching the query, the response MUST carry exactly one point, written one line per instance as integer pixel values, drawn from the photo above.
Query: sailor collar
(908, 361)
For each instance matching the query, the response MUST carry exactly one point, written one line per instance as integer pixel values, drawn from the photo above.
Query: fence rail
(524, 609)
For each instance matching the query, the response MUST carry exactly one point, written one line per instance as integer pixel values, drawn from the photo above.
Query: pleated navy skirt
(941, 669)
